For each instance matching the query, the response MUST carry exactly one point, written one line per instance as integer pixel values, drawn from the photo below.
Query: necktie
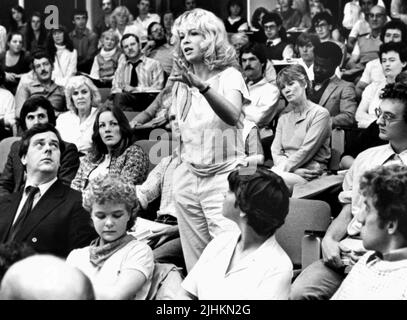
(134, 76)
(25, 211)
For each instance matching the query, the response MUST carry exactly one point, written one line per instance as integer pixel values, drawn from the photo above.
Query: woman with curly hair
(121, 21)
(207, 102)
(113, 151)
(119, 266)
(76, 125)
(60, 47)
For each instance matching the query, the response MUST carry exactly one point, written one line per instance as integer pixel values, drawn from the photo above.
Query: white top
(351, 14)
(71, 130)
(134, 256)
(265, 274)
(202, 130)
(263, 96)
(372, 278)
(3, 39)
(370, 101)
(7, 105)
(142, 25)
(361, 27)
(64, 66)
(373, 72)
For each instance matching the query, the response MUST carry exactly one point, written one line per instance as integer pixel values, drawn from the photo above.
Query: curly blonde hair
(116, 12)
(73, 84)
(111, 189)
(218, 52)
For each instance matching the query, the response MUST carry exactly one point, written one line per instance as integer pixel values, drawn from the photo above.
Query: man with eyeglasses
(103, 23)
(157, 47)
(342, 246)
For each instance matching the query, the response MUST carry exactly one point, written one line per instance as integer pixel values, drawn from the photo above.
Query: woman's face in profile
(81, 98)
(292, 90)
(110, 221)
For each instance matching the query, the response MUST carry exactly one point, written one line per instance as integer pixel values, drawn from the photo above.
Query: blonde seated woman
(301, 147)
(119, 266)
(76, 125)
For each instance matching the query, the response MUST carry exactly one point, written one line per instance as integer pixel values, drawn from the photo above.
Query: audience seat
(5, 146)
(306, 219)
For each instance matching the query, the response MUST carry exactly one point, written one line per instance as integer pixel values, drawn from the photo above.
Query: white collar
(43, 187)
(274, 42)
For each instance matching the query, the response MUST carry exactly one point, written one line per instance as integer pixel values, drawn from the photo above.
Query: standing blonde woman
(207, 103)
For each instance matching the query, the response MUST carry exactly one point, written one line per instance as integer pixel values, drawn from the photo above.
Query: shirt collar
(142, 58)
(43, 187)
(396, 255)
(250, 84)
(274, 42)
(388, 151)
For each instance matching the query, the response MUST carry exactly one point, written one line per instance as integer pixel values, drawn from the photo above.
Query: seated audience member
(107, 60)
(3, 40)
(323, 24)
(367, 46)
(263, 95)
(301, 147)
(352, 13)
(45, 277)
(76, 125)
(393, 31)
(399, 10)
(113, 151)
(34, 111)
(12, 252)
(336, 95)
(166, 244)
(238, 40)
(121, 21)
(143, 20)
(340, 245)
(36, 34)
(119, 266)
(277, 47)
(256, 27)
(60, 48)
(157, 47)
(235, 22)
(84, 41)
(15, 61)
(7, 109)
(361, 27)
(136, 73)
(17, 19)
(393, 56)
(103, 23)
(249, 263)
(190, 5)
(41, 85)
(46, 213)
(292, 18)
(306, 43)
(168, 19)
(381, 273)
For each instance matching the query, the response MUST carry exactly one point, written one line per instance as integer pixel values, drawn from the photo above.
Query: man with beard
(41, 85)
(103, 23)
(157, 47)
(334, 94)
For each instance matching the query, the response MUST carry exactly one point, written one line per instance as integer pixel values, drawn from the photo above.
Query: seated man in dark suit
(36, 110)
(46, 214)
(334, 94)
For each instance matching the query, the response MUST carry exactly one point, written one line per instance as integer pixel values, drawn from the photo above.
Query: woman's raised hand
(187, 76)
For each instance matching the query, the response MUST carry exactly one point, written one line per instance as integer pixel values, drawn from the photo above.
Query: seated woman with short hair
(119, 266)
(246, 264)
(301, 147)
(113, 150)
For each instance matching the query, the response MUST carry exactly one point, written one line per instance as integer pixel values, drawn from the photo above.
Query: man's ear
(392, 227)
(24, 160)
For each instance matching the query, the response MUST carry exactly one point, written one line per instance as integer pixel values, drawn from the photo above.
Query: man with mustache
(263, 107)
(135, 74)
(41, 85)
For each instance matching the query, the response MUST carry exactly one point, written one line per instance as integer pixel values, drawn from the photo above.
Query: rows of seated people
(78, 158)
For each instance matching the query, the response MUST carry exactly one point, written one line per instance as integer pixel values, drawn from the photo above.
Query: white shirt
(71, 130)
(142, 25)
(265, 274)
(3, 39)
(64, 66)
(263, 96)
(43, 188)
(370, 101)
(7, 105)
(373, 72)
(134, 256)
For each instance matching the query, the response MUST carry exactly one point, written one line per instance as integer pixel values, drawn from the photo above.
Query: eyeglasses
(387, 117)
(378, 15)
